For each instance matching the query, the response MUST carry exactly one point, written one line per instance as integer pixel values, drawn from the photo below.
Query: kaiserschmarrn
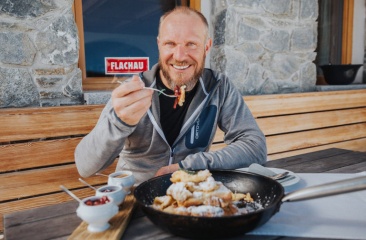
(198, 194)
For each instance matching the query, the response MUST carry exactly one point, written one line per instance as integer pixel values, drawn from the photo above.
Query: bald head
(188, 12)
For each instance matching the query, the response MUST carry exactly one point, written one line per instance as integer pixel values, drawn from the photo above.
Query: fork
(160, 91)
(279, 176)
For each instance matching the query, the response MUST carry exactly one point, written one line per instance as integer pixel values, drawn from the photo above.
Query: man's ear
(208, 45)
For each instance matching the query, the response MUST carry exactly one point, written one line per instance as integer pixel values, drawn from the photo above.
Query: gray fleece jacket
(143, 147)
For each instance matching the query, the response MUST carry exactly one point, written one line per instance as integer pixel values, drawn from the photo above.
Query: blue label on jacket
(200, 132)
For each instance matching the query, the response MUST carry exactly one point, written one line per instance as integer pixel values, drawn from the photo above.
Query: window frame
(347, 33)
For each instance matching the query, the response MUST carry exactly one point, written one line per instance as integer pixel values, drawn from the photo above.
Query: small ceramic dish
(125, 179)
(115, 192)
(97, 211)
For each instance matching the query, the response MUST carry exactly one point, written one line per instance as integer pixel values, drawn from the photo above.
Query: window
(117, 37)
(335, 30)
(341, 38)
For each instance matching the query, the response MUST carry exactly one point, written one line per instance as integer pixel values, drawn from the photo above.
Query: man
(152, 134)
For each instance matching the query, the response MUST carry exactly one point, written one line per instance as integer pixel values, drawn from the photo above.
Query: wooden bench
(298, 123)
(37, 144)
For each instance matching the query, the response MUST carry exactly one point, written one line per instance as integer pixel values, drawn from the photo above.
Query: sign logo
(126, 65)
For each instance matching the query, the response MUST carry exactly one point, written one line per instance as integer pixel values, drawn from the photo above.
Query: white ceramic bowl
(124, 179)
(97, 216)
(115, 192)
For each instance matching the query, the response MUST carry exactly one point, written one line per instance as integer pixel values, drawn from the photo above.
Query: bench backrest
(303, 122)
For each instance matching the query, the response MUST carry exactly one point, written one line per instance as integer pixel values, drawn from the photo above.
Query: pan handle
(328, 189)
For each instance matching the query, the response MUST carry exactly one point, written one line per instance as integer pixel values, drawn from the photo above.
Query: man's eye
(169, 44)
(191, 45)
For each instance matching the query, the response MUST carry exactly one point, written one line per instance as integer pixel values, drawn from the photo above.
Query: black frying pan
(268, 192)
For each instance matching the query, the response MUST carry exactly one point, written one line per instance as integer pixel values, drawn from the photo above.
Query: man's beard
(178, 82)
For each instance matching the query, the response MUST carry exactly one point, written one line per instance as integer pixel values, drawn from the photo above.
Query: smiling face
(183, 45)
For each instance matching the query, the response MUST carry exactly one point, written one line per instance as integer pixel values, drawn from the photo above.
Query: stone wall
(39, 54)
(266, 46)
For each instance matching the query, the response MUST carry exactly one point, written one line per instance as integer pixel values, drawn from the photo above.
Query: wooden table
(59, 221)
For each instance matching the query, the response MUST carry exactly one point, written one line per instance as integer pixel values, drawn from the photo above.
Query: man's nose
(180, 52)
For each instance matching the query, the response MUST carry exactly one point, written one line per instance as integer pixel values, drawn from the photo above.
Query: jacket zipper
(171, 156)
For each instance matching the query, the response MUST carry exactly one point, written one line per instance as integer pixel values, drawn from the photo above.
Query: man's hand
(130, 101)
(167, 169)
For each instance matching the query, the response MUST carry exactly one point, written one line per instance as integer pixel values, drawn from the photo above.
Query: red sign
(126, 65)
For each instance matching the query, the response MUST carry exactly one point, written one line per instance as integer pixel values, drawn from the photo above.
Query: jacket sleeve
(246, 143)
(97, 150)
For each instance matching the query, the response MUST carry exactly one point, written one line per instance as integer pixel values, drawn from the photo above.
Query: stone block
(17, 88)
(48, 82)
(59, 44)
(278, 7)
(45, 94)
(49, 71)
(309, 10)
(276, 41)
(16, 48)
(304, 39)
(26, 8)
(219, 28)
(97, 97)
(73, 88)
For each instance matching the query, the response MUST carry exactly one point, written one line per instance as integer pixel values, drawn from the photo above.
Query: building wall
(265, 46)
(38, 54)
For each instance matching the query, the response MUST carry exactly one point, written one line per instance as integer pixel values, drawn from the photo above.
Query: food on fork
(182, 97)
(180, 93)
(198, 194)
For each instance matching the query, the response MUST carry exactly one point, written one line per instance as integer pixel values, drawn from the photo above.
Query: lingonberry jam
(100, 201)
